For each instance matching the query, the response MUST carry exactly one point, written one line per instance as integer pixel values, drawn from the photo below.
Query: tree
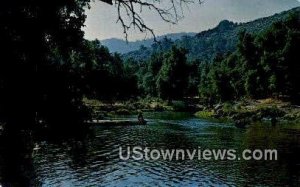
(193, 78)
(290, 53)
(37, 41)
(169, 11)
(173, 76)
(264, 65)
(41, 45)
(150, 73)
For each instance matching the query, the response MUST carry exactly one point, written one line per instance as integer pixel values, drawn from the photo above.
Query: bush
(228, 108)
(205, 114)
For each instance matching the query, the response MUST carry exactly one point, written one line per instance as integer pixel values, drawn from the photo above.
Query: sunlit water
(95, 160)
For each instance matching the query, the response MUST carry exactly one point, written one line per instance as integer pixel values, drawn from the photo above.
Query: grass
(205, 114)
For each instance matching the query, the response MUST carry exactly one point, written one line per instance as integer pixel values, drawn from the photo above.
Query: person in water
(141, 118)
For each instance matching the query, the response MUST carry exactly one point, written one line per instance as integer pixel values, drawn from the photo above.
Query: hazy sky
(101, 18)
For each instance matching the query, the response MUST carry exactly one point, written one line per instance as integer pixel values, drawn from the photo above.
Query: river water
(94, 160)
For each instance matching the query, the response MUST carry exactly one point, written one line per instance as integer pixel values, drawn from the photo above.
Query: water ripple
(95, 161)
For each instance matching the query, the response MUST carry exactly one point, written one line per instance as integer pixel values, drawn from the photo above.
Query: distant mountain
(121, 46)
(207, 44)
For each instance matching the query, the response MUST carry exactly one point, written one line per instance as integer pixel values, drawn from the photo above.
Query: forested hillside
(206, 45)
(262, 64)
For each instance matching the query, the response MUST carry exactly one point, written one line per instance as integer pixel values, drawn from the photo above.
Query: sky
(101, 17)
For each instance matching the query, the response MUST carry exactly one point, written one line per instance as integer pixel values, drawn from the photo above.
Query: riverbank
(245, 112)
(241, 112)
(100, 109)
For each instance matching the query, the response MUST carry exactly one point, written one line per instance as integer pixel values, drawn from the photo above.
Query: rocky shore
(241, 113)
(245, 112)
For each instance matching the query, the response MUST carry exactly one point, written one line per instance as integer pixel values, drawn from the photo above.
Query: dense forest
(263, 65)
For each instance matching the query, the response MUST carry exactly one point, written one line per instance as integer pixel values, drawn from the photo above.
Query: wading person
(141, 119)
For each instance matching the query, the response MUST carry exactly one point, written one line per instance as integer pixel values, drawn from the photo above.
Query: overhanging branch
(132, 9)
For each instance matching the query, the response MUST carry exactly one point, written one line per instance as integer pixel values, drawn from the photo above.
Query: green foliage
(168, 75)
(264, 65)
(108, 78)
(205, 114)
(172, 77)
(259, 65)
(148, 74)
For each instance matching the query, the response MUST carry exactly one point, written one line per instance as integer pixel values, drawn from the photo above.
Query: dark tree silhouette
(41, 44)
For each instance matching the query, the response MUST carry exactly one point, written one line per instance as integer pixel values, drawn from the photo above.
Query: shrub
(205, 114)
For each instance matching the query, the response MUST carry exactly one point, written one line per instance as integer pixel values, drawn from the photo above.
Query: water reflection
(16, 163)
(94, 159)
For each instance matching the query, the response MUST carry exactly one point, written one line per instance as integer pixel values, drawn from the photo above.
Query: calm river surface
(94, 161)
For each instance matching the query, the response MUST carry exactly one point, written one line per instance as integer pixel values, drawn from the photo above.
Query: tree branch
(132, 9)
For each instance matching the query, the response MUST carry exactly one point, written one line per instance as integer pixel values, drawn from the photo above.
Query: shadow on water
(18, 149)
(286, 170)
(16, 163)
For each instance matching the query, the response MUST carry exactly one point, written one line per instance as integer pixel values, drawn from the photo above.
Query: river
(95, 161)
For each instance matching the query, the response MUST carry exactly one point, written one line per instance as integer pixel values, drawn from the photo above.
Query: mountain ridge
(207, 44)
(121, 46)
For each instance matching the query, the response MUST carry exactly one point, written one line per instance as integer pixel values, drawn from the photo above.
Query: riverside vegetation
(256, 81)
(261, 62)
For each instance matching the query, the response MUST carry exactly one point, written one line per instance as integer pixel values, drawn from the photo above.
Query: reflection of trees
(16, 168)
(284, 171)
(260, 136)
